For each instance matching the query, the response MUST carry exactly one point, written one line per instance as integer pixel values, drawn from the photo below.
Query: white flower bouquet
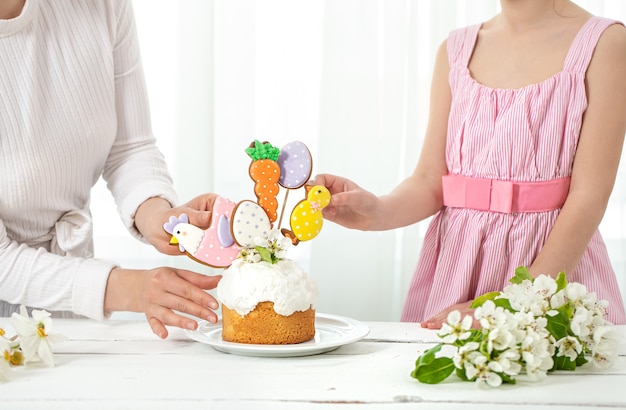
(270, 249)
(32, 343)
(533, 327)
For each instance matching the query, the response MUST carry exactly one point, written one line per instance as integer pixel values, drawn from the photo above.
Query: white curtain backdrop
(349, 78)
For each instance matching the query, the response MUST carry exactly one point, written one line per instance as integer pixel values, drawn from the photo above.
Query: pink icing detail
(211, 251)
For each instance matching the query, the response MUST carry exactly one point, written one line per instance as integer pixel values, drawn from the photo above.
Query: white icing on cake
(244, 285)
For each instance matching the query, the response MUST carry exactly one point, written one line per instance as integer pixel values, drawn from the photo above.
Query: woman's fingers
(169, 291)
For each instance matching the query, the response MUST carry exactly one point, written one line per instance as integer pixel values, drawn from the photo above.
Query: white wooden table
(121, 364)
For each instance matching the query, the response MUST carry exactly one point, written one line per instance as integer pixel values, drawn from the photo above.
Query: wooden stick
(282, 211)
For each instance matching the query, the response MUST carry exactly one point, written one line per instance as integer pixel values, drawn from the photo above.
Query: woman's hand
(160, 293)
(436, 321)
(154, 212)
(350, 205)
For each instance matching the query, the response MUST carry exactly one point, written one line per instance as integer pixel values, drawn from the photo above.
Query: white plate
(330, 332)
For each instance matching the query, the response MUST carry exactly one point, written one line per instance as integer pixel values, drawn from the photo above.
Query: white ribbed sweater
(73, 106)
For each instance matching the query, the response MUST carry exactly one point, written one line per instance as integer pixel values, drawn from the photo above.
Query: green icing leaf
(263, 150)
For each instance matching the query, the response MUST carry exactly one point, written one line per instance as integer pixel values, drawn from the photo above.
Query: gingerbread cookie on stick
(265, 173)
(214, 246)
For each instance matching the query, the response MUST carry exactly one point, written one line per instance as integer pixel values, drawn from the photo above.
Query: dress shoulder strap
(584, 44)
(461, 43)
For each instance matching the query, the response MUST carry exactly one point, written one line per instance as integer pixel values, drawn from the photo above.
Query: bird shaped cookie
(306, 218)
(214, 246)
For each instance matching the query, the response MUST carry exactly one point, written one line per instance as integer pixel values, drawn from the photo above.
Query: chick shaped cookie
(306, 217)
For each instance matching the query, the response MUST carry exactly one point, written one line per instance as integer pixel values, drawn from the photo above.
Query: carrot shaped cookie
(265, 173)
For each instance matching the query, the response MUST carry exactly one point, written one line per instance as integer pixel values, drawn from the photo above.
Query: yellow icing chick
(306, 218)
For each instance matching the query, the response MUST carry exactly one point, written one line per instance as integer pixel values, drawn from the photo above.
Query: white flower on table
(462, 355)
(604, 347)
(537, 352)
(568, 346)
(489, 316)
(33, 334)
(508, 361)
(483, 370)
(5, 359)
(456, 329)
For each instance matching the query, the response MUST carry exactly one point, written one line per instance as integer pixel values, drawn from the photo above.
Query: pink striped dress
(520, 135)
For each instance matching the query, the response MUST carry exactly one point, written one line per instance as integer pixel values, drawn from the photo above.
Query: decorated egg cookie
(249, 222)
(295, 165)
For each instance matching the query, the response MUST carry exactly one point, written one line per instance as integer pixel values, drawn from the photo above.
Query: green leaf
(483, 298)
(507, 379)
(504, 304)
(521, 274)
(564, 363)
(265, 253)
(580, 360)
(561, 281)
(460, 373)
(435, 372)
(558, 325)
(428, 356)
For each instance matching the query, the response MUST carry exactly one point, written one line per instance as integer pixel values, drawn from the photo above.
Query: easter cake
(266, 298)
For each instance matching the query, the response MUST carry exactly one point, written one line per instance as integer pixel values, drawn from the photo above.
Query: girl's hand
(154, 212)
(436, 321)
(350, 205)
(162, 294)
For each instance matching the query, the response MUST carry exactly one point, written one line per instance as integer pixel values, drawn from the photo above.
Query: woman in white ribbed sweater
(73, 107)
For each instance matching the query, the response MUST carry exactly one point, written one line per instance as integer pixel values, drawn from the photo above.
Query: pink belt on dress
(504, 196)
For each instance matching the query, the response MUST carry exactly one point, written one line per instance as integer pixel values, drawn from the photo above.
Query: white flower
(249, 255)
(456, 329)
(581, 322)
(275, 245)
(519, 336)
(34, 338)
(518, 295)
(576, 293)
(558, 299)
(463, 354)
(483, 371)
(508, 362)
(5, 360)
(569, 347)
(537, 354)
(490, 316)
(500, 339)
(604, 349)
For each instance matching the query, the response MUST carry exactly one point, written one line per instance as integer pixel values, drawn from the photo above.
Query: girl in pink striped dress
(528, 116)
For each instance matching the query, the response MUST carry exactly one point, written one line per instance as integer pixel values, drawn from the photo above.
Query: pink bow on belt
(504, 196)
